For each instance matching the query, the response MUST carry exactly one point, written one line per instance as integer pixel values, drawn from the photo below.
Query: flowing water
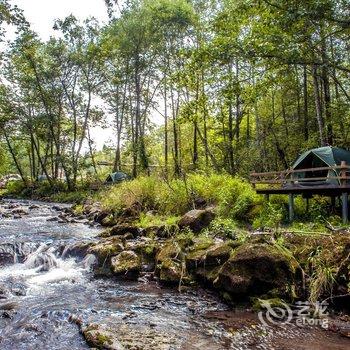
(42, 288)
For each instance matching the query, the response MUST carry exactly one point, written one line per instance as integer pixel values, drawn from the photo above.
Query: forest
(215, 86)
(129, 214)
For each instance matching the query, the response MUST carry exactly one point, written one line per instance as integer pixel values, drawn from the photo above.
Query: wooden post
(344, 198)
(267, 197)
(291, 207)
(307, 205)
(252, 180)
(345, 211)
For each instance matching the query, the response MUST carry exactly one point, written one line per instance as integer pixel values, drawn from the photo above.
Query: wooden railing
(282, 178)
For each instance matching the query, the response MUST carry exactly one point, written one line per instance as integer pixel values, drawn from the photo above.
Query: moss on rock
(127, 263)
(104, 251)
(255, 269)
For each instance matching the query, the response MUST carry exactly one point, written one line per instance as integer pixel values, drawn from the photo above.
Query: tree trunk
(318, 106)
(306, 111)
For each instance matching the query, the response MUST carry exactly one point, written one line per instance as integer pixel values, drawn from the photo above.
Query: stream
(42, 289)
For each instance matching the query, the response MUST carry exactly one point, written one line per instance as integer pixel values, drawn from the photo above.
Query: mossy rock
(260, 304)
(104, 251)
(255, 269)
(101, 338)
(170, 271)
(202, 242)
(122, 229)
(127, 263)
(215, 255)
(161, 231)
(207, 274)
(109, 221)
(196, 219)
(171, 250)
(146, 249)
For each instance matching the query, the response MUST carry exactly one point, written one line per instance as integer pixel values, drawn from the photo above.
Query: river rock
(77, 250)
(104, 251)
(169, 263)
(109, 221)
(99, 216)
(4, 292)
(20, 211)
(127, 263)
(122, 229)
(57, 208)
(100, 337)
(215, 255)
(197, 219)
(54, 218)
(256, 269)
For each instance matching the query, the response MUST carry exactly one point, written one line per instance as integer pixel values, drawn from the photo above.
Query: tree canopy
(186, 85)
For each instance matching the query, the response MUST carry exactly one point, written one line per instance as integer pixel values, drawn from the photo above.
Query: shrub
(234, 197)
(270, 217)
(15, 187)
(223, 228)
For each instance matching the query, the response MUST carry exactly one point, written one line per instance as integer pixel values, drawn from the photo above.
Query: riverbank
(240, 265)
(62, 278)
(214, 230)
(198, 234)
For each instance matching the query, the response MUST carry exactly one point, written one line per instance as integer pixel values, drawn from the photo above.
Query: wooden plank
(320, 190)
(337, 167)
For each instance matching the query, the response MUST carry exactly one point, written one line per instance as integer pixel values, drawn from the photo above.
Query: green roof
(320, 158)
(328, 155)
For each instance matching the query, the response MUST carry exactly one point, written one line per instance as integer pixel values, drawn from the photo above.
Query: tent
(117, 177)
(42, 178)
(319, 158)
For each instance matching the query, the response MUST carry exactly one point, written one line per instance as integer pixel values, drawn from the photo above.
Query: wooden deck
(306, 182)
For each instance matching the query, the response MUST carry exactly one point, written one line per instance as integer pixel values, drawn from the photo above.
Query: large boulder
(197, 219)
(127, 263)
(171, 271)
(256, 269)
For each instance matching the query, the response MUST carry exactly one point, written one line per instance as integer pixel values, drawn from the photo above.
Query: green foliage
(323, 275)
(270, 217)
(78, 196)
(234, 197)
(14, 188)
(147, 220)
(226, 228)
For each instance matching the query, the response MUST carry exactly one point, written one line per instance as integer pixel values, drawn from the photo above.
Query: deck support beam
(344, 198)
(291, 206)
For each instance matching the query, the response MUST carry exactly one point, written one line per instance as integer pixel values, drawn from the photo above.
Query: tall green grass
(233, 196)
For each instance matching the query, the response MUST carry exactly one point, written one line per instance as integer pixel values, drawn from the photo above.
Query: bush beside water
(234, 198)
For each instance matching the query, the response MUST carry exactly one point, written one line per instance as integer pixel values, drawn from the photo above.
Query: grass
(148, 220)
(234, 197)
(236, 203)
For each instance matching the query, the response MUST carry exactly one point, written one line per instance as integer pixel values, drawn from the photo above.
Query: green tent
(117, 177)
(42, 178)
(319, 158)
